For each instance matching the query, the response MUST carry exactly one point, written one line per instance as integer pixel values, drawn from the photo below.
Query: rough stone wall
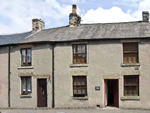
(104, 62)
(38, 24)
(3, 77)
(41, 68)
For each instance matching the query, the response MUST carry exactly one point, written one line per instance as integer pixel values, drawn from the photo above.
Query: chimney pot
(74, 8)
(145, 15)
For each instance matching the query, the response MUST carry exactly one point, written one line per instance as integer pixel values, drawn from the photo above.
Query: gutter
(53, 96)
(9, 76)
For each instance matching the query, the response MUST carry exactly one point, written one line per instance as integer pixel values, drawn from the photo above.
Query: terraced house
(78, 65)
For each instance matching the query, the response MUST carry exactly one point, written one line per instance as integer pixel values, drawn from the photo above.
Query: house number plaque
(97, 88)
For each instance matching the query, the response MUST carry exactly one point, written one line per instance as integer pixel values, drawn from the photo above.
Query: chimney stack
(145, 15)
(37, 24)
(74, 8)
(74, 18)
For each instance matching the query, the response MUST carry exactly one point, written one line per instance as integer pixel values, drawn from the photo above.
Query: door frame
(106, 91)
(37, 90)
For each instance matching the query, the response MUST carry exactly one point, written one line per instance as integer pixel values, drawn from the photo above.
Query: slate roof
(14, 38)
(137, 29)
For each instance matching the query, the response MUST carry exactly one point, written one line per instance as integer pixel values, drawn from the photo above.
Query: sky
(16, 15)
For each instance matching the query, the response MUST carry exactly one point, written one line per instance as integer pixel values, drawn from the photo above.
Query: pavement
(97, 110)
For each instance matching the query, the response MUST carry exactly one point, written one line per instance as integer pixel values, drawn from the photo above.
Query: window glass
(29, 85)
(23, 85)
(131, 85)
(74, 48)
(79, 48)
(79, 86)
(29, 56)
(23, 56)
(26, 85)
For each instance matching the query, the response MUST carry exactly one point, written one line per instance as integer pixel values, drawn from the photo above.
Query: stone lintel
(131, 72)
(78, 73)
(111, 76)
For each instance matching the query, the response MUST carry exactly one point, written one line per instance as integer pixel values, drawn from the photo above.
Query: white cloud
(115, 14)
(21, 12)
(73, 1)
(100, 15)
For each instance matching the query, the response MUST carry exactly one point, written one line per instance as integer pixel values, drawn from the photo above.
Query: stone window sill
(78, 65)
(130, 98)
(26, 67)
(25, 96)
(129, 64)
(80, 98)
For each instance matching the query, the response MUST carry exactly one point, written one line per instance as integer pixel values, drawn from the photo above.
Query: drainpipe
(53, 98)
(9, 76)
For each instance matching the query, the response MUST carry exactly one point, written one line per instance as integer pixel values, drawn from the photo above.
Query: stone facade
(104, 61)
(4, 77)
(41, 68)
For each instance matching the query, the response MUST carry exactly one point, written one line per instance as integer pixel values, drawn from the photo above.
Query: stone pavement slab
(100, 110)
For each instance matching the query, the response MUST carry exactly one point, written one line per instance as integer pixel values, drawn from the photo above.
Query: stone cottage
(79, 65)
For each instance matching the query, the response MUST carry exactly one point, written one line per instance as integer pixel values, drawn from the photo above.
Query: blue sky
(16, 15)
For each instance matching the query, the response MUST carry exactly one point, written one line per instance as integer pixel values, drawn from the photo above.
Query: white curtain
(23, 56)
(29, 55)
(29, 85)
(23, 85)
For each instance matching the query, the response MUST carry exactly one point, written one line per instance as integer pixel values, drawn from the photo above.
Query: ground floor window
(79, 86)
(131, 85)
(25, 85)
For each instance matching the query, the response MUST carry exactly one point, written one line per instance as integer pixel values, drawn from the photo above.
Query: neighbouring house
(79, 65)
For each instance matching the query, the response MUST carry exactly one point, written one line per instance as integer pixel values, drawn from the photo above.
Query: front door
(111, 92)
(41, 93)
(116, 102)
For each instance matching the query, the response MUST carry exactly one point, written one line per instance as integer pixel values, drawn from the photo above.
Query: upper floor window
(130, 53)
(26, 57)
(79, 54)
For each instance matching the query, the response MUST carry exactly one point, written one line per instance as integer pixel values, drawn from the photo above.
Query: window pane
(80, 90)
(23, 56)
(130, 57)
(29, 56)
(130, 89)
(83, 91)
(126, 91)
(74, 48)
(23, 85)
(83, 48)
(130, 46)
(79, 48)
(134, 90)
(29, 85)
(81, 58)
(75, 91)
(131, 79)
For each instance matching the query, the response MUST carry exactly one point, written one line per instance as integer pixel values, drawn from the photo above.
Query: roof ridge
(114, 23)
(15, 33)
